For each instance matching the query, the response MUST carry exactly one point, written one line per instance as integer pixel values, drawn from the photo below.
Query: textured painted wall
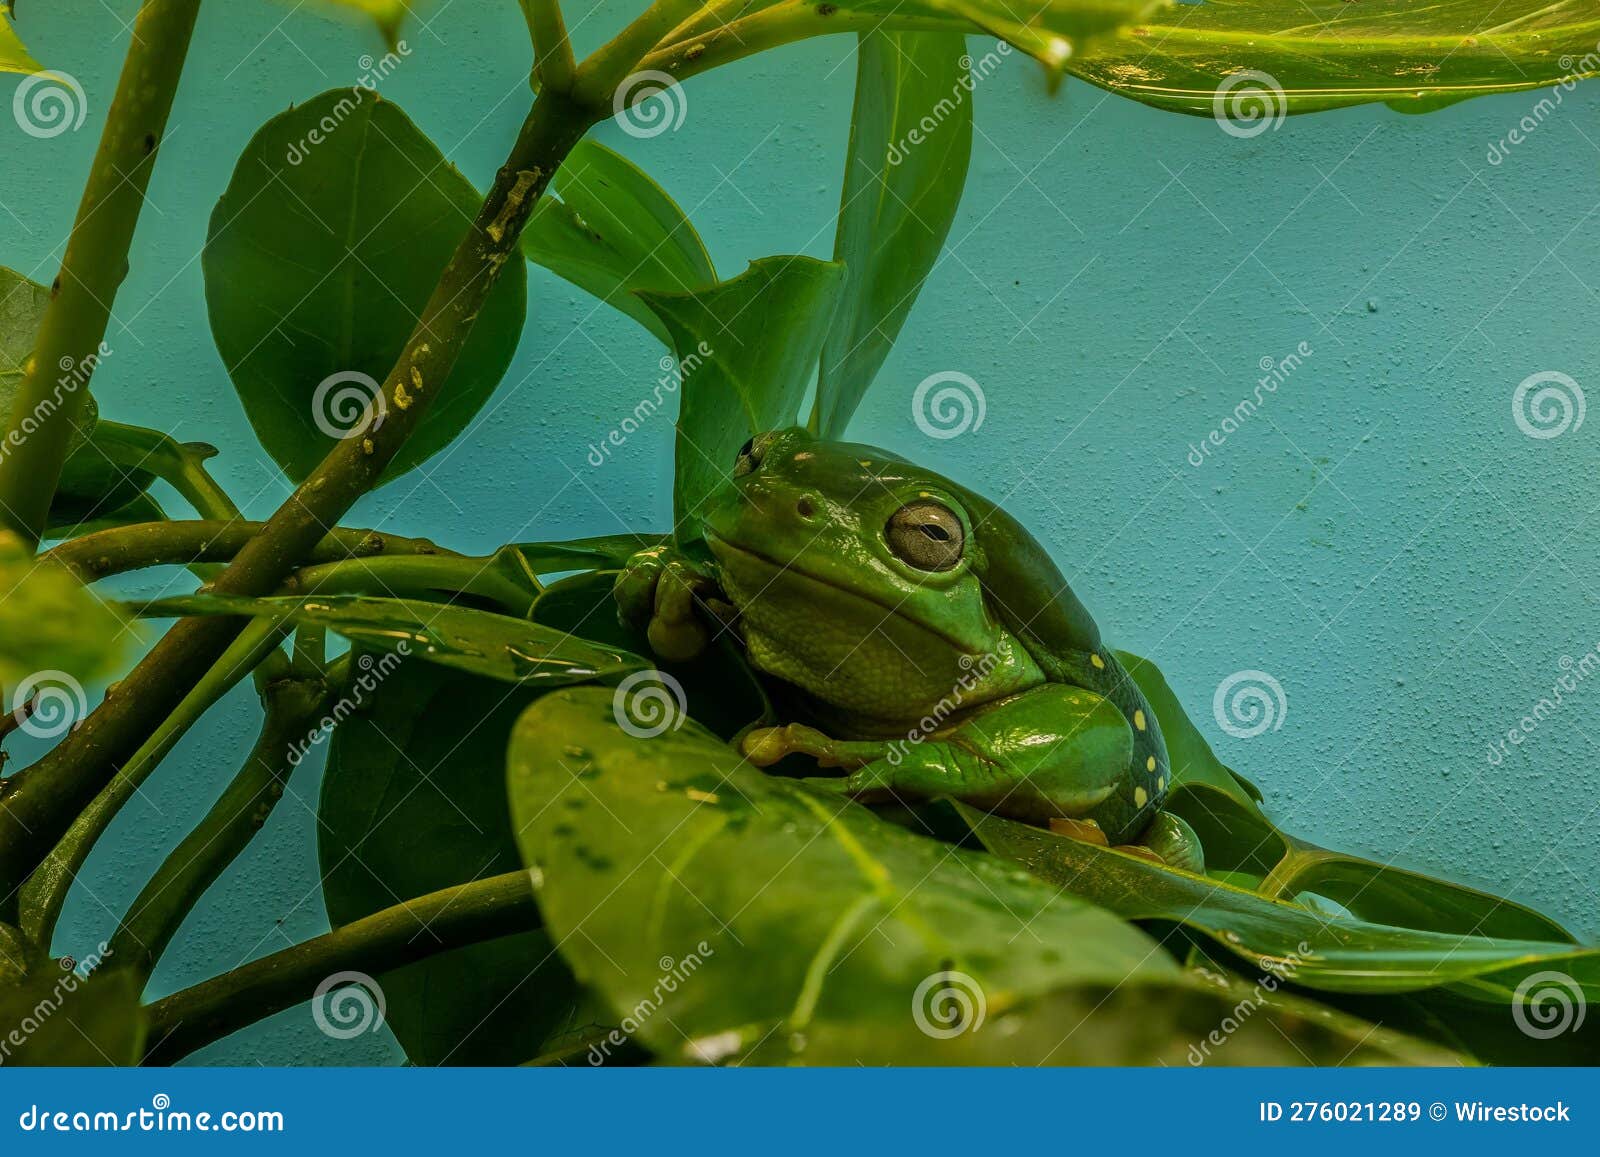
(1379, 536)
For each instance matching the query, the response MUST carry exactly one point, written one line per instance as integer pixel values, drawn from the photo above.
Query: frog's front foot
(665, 594)
(765, 746)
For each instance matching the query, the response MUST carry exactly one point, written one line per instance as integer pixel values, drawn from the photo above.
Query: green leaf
(902, 184)
(13, 56)
(609, 229)
(1052, 31)
(322, 253)
(1312, 55)
(420, 764)
(480, 642)
(55, 635)
(727, 914)
(1339, 954)
(747, 350)
(64, 1019)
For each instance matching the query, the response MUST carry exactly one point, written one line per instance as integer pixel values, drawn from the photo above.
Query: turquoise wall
(1380, 536)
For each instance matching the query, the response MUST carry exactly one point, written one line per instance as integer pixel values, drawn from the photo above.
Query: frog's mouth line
(720, 544)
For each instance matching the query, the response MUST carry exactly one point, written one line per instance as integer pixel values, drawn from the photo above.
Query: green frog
(928, 639)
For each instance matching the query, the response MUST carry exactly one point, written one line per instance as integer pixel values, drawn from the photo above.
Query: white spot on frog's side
(1140, 797)
(1161, 784)
(1150, 764)
(1138, 720)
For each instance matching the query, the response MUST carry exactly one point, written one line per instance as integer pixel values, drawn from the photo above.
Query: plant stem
(181, 465)
(145, 544)
(437, 922)
(40, 801)
(599, 75)
(785, 23)
(292, 706)
(45, 891)
(401, 576)
(72, 332)
(552, 51)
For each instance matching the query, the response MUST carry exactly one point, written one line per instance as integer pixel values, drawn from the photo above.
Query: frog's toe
(677, 642)
(764, 746)
(1174, 843)
(635, 588)
(1084, 831)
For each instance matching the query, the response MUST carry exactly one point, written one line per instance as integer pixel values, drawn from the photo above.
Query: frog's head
(857, 576)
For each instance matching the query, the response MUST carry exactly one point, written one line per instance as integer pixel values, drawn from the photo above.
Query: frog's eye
(749, 457)
(926, 535)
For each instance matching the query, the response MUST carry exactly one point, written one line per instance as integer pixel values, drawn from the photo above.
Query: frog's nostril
(804, 508)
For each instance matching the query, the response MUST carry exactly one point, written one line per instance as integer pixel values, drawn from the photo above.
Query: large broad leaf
(398, 782)
(328, 242)
(13, 56)
(1339, 954)
(730, 915)
(902, 183)
(747, 350)
(480, 642)
(57, 1017)
(1255, 60)
(609, 229)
